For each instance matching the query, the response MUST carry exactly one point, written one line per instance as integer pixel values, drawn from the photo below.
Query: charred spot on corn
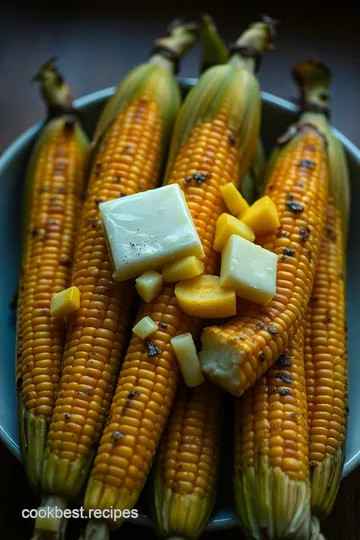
(287, 252)
(122, 194)
(92, 223)
(282, 234)
(152, 349)
(304, 233)
(197, 177)
(163, 325)
(117, 179)
(262, 356)
(133, 394)
(67, 416)
(307, 164)
(283, 376)
(300, 184)
(19, 382)
(271, 329)
(66, 261)
(284, 391)
(231, 139)
(309, 255)
(260, 325)
(116, 435)
(283, 360)
(331, 234)
(98, 201)
(294, 206)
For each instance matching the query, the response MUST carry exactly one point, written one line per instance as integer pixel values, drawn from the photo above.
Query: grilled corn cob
(129, 145)
(235, 355)
(272, 487)
(52, 204)
(215, 52)
(213, 143)
(325, 330)
(185, 471)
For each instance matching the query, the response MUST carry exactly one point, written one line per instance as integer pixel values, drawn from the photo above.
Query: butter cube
(228, 225)
(147, 230)
(65, 302)
(185, 352)
(149, 284)
(233, 199)
(262, 216)
(249, 269)
(185, 268)
(145, 327)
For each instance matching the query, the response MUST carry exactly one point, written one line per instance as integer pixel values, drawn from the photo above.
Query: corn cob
(325, 330)
(235, 355)
(213, 143)
(272, 487)
(130, 142)
(52, 204)
(185, 471)
(215, 52)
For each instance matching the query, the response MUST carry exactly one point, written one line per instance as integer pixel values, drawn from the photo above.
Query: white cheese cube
(145, 327)
(147, 230)
(249, 269)
(185, 351)
(149, 284)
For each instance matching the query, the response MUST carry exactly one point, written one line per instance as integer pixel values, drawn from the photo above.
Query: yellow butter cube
(249, 269)
(185, 351)
(228, 225)
(145, 327)
(65, 302)
(203, 297)
(233, 199)
(185, 268)
(149, 284)
(262, 216)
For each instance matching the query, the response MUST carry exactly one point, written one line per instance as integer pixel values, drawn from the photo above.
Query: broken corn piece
(228, 225)
(65, 302)
(185, 268)
(149, 284)
(262, 216)
(233, 199)
(185, 351)
(203, 297)
(145, 327)
(249, 269)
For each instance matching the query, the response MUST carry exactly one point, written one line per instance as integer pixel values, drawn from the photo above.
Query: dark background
(96, 46)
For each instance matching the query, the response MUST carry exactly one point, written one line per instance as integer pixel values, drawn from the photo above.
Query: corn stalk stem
(181, 37)
(257, 39)
(53, 88)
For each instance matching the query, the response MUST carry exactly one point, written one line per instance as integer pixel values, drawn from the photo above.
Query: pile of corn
(97, 401)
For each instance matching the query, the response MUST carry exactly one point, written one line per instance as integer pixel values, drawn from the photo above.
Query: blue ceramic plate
(277, 114)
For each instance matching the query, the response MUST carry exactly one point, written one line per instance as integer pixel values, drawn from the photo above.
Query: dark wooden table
(96, 46)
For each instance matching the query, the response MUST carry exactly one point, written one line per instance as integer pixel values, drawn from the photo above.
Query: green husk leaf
(214, 50)
(157, 75)
(32, 433)
(325, 482)
(270, 504)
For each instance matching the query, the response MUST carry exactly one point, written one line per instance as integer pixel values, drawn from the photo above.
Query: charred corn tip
(261, 35)
(270, 504)
(52, 85)
(325, 483)
(313, 79)
(311, 70)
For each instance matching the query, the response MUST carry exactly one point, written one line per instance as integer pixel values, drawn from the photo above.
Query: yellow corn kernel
(204, 297)
(233, 199)
(262, 216)
(228, 225)
(185, 351)
(145, 327)
(186, 268)
(149, 284)
(65, 302)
